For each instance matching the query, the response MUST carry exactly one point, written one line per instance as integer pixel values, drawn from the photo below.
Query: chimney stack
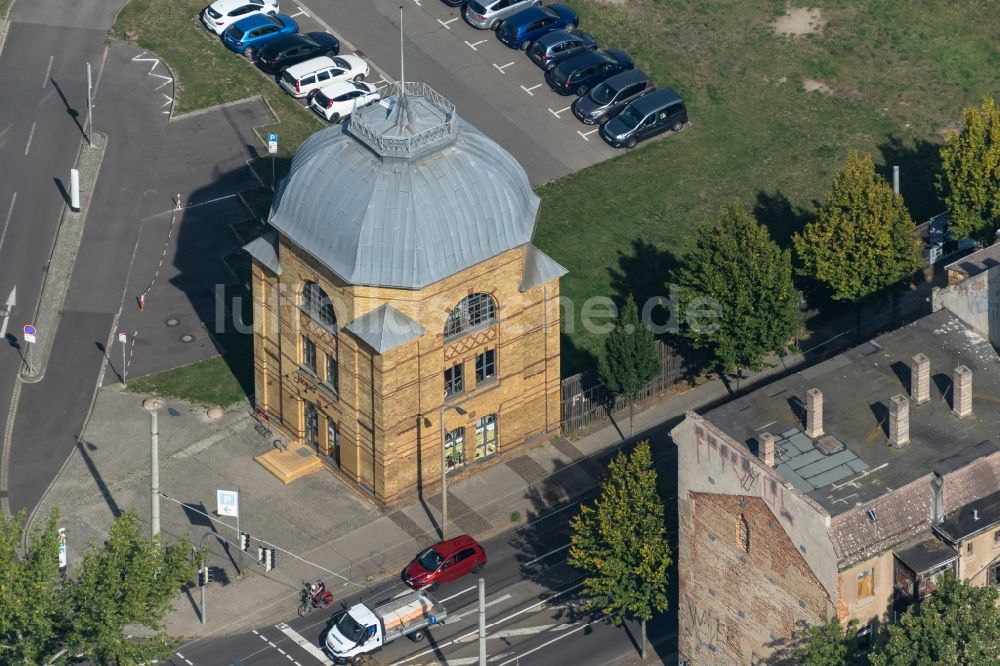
(937, 498)
(814, 413)
(766, 441)
(920, 379)
(961, 396)
(899, 420)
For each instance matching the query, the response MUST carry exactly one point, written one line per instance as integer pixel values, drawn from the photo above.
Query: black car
(651, 114)
(607, 98)
(553, 47)
(582, 72)
(293, 49)
(454, 3)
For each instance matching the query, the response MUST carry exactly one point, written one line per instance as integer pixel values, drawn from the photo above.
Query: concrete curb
(62, 257)
(5, 24)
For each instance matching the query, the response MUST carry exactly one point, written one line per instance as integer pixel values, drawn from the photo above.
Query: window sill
(486, 383)
(450, 397)
(309, 372)
(328, 390)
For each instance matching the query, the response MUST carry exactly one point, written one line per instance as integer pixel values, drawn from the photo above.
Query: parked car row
(306, 65)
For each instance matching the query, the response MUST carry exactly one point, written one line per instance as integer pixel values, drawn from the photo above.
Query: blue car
(527, 25)
(249, 34)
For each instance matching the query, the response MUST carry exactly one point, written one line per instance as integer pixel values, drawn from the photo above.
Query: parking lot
(497, 89)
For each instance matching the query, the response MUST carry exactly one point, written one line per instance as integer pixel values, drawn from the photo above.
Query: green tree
(631, 359)
(970, 185)
(827, 644)
(620, 543)
(863, 240)
(958, 624)
(31, 607)
(738, 268)
(129, 580)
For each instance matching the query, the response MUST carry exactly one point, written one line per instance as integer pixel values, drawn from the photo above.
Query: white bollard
(74, 189)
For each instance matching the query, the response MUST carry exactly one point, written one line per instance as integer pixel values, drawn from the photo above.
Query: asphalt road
(532, 606)
(43, 74)
(497, 89)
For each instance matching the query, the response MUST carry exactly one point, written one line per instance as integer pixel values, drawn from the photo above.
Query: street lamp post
(152, 405)
(444, 471)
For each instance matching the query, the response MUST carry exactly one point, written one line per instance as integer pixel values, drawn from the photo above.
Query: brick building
(845, 489)
(399, 306)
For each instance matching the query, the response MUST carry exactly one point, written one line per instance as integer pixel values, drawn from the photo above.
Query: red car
(444, 562)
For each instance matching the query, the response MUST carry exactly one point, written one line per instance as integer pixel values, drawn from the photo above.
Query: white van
(302, 79)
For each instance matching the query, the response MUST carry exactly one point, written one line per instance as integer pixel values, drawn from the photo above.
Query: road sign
(272, 143)
(29, 333)
(122, 337)
(228, 502)
(62, 547)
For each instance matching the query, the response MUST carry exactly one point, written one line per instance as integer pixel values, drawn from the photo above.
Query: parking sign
(228, 502)
(272, 143)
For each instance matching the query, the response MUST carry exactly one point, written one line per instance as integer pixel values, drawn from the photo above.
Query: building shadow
(919, 164)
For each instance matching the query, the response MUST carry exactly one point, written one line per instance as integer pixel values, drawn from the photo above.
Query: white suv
(301, 79)
(222, 13)
(338, 100)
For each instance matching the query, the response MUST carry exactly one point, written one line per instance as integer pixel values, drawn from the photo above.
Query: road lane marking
(48, 70)
(31, 135)
(3, 234)
(417, 3)
(547, 643)
(476, 610)
(301, 11)
(445, 23)
(528, 90)
(556, 113)
(586, 134)
(503, 67)
(475, 632)
(458, 594)
(185, 659)
(300, 640)
(473, 45)
(551, 552)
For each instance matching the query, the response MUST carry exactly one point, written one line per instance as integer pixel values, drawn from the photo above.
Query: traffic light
(268, 559)
(204, 576)
(260, 554)
(244, 541)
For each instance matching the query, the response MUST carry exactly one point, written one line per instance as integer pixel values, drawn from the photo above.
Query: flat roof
(855, 463)
(925, 553)
(977, 262)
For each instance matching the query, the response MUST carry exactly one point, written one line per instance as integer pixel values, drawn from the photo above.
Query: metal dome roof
(405, 194)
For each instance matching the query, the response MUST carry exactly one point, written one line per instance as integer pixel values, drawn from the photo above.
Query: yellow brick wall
(387, 410)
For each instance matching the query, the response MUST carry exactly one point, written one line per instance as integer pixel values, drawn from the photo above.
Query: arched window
(472, 311)
(317, 304)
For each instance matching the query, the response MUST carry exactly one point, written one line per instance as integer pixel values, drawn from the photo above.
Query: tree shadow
(645, 273)
(574, 359)
(782, 218)
(919, 163)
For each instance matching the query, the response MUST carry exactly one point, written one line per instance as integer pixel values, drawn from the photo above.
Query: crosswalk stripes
(301, 641)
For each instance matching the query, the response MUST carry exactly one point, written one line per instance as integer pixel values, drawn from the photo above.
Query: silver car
(489, 14)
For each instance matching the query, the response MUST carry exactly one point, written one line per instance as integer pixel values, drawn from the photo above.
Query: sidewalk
(321, 528)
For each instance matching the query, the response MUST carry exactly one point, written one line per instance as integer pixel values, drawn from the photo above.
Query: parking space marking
(503, 67)
(170, 100)
(556, 113)
(474, 45)
(417, 3)
(48, 70)
(587, 134)
(445, 23)
(300, 12)
(528, 90)
(31, 135)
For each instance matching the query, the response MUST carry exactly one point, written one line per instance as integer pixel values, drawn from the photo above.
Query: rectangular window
(866, 583)
(486, 436)
(453, 381)
(454, 448)
(968, 549)
(486, 366)
(332, 374)
(996, 539)
(333, 440)
(309, 354)
(994, 575)
(312, 424)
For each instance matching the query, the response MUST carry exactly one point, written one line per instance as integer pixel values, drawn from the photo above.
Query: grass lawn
(898, 75)
(4, 6)
(772, 118)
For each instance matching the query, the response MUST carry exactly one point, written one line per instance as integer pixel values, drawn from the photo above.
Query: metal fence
(585, 399)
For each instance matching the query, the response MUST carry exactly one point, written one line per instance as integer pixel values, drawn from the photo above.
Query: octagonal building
(400, 308)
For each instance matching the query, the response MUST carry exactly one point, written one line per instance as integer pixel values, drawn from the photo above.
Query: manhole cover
(187, 337)
(172, 322)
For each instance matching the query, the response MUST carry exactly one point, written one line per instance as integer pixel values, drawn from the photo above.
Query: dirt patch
(799, 21)
(812, 85)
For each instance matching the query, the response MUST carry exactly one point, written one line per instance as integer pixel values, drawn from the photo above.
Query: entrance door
(333, 441)
(312, 424)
